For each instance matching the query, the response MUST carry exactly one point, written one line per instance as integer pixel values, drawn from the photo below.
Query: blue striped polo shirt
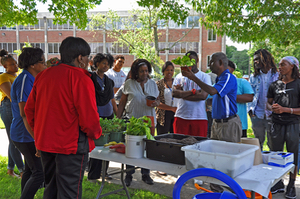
(224, 102)
(20, 91)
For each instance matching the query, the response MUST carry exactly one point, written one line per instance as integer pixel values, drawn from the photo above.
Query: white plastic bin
(228, 157)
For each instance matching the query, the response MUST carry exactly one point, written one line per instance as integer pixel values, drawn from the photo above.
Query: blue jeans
(260, 128)
(14, 155)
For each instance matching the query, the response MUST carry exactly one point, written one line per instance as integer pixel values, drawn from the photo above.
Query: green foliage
(252, 20)
(142, 36)
(63, 10)
(112, 125)
(184, 61)
(238, 74)
(278, 51)
(139, 126)
(26, 44)
(240, 58)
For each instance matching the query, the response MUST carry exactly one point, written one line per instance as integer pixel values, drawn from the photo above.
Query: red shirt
(62, 100)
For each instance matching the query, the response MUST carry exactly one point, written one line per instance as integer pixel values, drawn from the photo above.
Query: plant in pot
(184, 62)
(137, 129)
(118, 126)
(106, 129)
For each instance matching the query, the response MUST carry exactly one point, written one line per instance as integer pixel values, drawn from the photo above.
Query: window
(52, 26)
(211, 35)
(35, 45)
(161, 24)
(9, 47)
(207, 61)
(183, 47)
(53, 48)
(193, 20)
(162, 45)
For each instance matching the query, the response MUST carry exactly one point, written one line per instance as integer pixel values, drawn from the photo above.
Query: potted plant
(137, 129)
(184, 62)
(106, 129)
(117, 127)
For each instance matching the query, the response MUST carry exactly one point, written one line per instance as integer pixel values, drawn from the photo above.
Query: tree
(63, 11)
(252, 20)
(140, 30)
(278, 51)
(241, 59)
(230, 50)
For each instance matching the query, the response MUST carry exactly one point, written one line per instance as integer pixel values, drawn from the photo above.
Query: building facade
(48, 36)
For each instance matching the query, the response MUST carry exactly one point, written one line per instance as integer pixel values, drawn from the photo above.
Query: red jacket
(61, 110)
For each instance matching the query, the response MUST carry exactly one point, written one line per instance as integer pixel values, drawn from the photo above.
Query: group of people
(52, 116)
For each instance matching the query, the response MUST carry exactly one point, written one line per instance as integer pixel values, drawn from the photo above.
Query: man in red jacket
(62, 112)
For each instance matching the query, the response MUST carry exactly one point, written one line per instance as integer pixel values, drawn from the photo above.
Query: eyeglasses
(42, 62)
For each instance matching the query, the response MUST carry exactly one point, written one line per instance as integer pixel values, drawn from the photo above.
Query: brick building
(48, 36)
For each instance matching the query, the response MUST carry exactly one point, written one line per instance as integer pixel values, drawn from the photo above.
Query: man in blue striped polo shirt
(226, 124)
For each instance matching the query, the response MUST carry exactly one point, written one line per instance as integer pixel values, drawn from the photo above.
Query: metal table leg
(103, 182)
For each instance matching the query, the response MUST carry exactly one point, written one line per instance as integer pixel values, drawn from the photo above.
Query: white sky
(123, 5)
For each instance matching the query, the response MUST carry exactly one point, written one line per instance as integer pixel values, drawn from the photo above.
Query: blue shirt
(106, 110)
(244, 87)
(224, 102)
(20, 91)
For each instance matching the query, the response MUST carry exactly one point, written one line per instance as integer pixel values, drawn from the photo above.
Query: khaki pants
(230, 131)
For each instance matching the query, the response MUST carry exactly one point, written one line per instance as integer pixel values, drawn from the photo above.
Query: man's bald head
(221, 56)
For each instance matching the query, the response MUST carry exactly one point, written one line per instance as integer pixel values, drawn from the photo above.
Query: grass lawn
(12, 187)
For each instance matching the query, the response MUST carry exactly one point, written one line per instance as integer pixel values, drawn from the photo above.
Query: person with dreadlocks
(283, 100)
(264, 74)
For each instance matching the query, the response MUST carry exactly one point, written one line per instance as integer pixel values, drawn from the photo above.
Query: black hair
(136, 65)
(72, 47)
(221, 56)
(5, 56)
(110, 59)
(266, 59)
(165, 66)
(119, 56)
(30, 56)
(231, 64)
(98, 58)
(193, 53)
(295, 72)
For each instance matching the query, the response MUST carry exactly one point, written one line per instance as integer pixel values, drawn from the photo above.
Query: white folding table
(259, 179)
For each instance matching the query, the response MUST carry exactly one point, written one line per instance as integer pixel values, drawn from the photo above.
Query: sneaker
(128, 180)
(147, 179)
(278, 187)
(290, 192)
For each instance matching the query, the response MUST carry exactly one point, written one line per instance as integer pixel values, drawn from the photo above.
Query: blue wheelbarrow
(239, 192)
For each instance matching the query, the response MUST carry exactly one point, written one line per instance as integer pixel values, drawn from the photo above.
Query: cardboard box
(280, 159)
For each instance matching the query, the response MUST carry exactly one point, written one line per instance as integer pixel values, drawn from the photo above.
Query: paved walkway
(162, 184)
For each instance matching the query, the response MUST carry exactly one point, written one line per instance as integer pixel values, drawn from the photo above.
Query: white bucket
(135, 146)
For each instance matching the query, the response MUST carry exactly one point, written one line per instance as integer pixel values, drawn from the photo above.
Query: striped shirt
(224, 103)
(20, 91)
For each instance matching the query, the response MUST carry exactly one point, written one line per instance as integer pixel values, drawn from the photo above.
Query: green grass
(12, 187)
(2, 124)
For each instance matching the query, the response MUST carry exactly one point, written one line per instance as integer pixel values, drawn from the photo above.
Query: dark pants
(63, 175)
(95, 168)
(33, 176)
(209, 123)
(168, 125)
(244, 133)
(143, 171)
(14, 155)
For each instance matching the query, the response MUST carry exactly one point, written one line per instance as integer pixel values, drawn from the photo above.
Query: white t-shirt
(136, 101)
(191, 110)
(117, 77)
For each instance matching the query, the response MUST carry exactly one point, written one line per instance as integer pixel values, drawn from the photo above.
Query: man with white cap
(283, 100)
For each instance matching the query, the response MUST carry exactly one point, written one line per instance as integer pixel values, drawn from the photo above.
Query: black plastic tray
(167, 151)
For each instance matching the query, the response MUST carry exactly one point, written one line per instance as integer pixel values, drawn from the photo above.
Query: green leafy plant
(139, 126)
(112, 125)
(184, 61)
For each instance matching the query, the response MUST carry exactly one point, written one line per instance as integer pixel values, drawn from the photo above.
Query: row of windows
(113, 48)
(188, 23)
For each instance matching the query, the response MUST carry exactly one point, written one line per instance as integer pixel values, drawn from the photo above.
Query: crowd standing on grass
(52, 115)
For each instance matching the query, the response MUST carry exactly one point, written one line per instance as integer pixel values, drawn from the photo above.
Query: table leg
(252, 194)
(122, 180)
(103, 178)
